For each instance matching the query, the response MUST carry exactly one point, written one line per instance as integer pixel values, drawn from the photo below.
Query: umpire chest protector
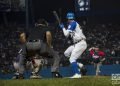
(39, 32)
(36, 38)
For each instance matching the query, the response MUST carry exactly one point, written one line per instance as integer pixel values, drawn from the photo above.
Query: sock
(75, 68)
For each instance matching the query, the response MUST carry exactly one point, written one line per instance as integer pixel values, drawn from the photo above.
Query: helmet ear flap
(70, 15)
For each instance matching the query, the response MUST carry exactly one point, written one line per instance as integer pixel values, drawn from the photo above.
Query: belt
(33, 40)
(80, 40)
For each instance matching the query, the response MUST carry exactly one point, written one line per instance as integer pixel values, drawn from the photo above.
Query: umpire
(39, 41)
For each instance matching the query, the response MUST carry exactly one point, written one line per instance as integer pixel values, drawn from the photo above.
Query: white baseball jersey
(76, 50)
(74, 31)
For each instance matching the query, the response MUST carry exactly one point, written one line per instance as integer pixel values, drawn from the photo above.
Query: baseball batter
(79, 45)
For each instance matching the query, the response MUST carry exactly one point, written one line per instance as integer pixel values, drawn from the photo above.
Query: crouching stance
(31, 50)
(34, 64)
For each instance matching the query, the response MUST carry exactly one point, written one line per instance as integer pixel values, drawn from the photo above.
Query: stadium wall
(106, 70)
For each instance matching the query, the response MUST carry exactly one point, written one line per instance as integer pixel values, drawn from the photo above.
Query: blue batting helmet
(70, 15)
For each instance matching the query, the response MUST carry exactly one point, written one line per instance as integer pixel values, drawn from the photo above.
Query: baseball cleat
(35, 77)
(76, 76)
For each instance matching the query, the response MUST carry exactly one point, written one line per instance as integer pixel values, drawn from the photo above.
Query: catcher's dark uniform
(36, 44)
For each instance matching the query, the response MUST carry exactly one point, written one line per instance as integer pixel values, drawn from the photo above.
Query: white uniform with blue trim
(74, 51)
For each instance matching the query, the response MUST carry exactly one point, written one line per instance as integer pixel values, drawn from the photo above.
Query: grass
(84, 81)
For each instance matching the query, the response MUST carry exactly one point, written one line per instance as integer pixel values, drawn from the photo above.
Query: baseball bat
(57, 17)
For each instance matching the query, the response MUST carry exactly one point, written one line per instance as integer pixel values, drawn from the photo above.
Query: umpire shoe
(35, 76)
(21, 76)
(56, 75)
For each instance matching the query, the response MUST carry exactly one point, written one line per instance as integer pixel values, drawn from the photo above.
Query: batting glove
(61, 25)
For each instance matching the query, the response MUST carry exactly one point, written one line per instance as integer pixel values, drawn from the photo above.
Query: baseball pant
(54, 54)
(75, 51)
(45, 50)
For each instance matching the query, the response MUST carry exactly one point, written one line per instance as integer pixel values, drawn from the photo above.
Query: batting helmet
(70, 15)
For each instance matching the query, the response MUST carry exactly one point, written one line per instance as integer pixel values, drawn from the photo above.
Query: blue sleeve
(72, 26)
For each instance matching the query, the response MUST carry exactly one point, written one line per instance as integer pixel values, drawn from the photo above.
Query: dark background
(43, 9)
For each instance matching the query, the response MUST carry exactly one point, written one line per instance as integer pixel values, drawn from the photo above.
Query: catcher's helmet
(70, 15)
